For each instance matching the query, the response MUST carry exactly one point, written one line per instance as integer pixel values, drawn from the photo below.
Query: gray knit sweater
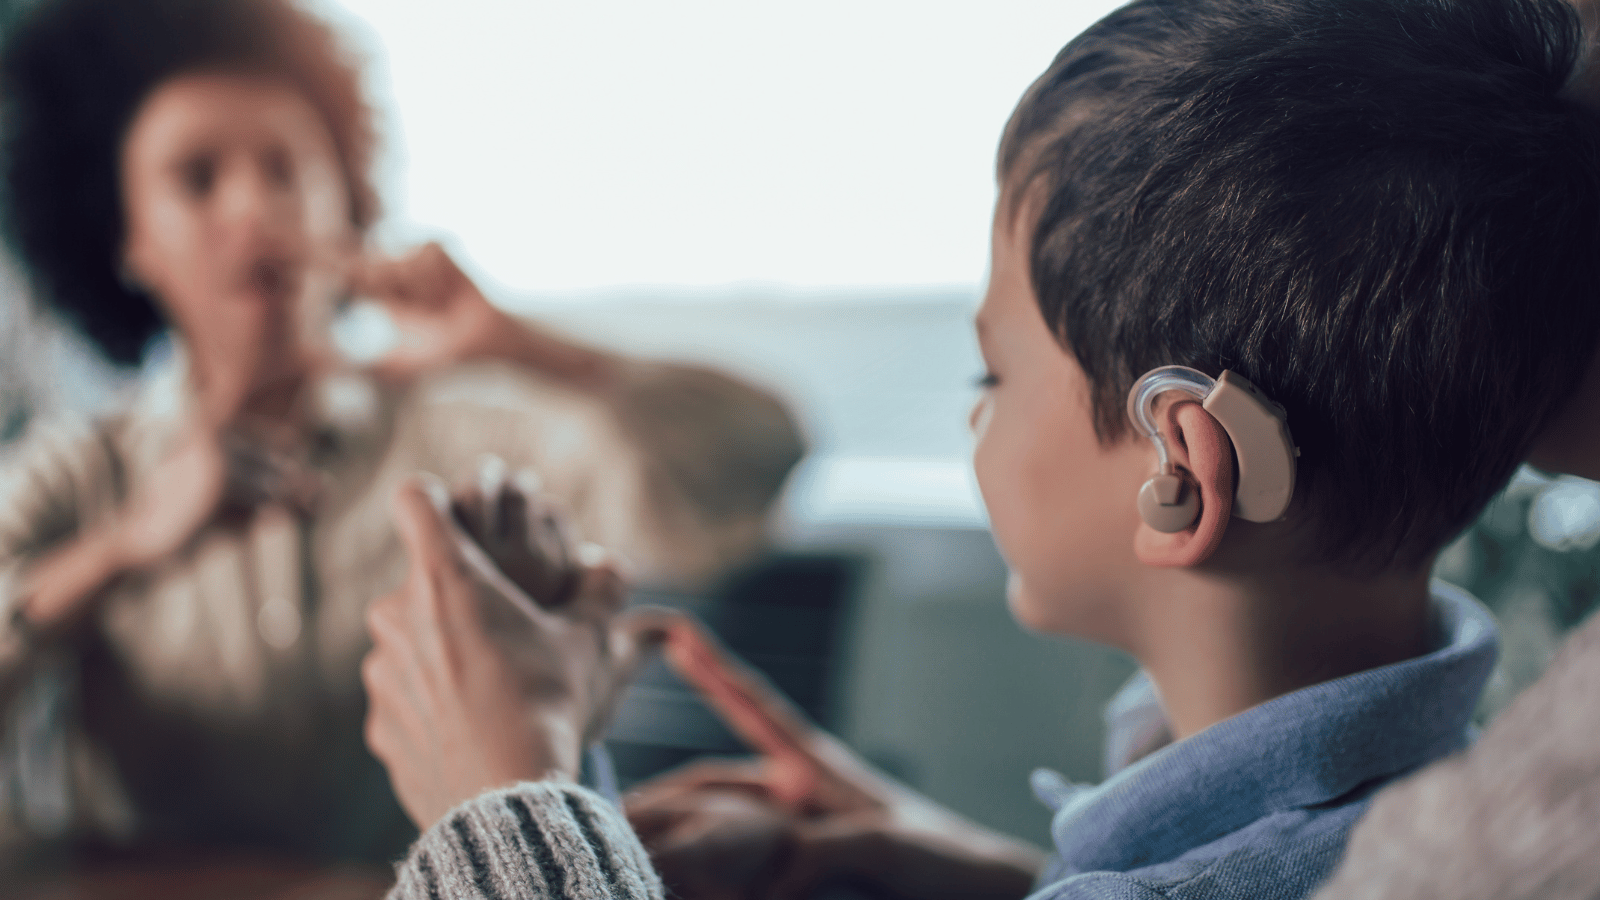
(535, 841)
(1517, 817)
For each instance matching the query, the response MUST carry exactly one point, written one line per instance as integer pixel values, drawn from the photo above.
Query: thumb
(642, 631)
(750, 706)
(433, 540)
(420, 518)
(602, 580)
(629, 640)
(380, 277)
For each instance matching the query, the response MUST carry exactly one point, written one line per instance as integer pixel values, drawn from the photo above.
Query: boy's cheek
(1029, 609)
(1024, 528)
(996, 476)
(1014, 474)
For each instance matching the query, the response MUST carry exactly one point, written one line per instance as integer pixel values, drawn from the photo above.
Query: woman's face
(232, 195)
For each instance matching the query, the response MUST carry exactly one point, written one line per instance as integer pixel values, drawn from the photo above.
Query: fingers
(821, 850)
(427, 529)
(418, 277)
(755, 711)
(743, 698)
(521, 502)
(602, 584)
(523, 533)
(385, 723)
(527, 483)
(652, 626)
(423, 531)
(373, 277)
(479, 506)
(388, 673)
(492, 484)
(258, 474)
(665, 803)
(719, 844)
(444, 562)
(653, 821)
(499, 505)
(711, 774)
(639, 633)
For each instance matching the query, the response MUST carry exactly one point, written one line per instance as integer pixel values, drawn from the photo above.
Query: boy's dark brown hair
(73, 73)
(1384, 213)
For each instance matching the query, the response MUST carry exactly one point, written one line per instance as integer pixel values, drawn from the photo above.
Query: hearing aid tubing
(1257, 428)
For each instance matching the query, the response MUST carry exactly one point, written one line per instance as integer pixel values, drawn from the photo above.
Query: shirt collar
(345, 412)
(1302, 749)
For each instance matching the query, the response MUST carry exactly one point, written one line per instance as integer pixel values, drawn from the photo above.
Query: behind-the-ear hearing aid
(1261, 444)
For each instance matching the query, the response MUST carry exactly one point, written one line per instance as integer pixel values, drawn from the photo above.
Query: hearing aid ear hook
(1262, 447)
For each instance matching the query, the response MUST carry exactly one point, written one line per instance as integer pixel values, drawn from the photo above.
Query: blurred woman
(190, 574)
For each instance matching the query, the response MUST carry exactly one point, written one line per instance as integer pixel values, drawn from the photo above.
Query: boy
(1382, 213)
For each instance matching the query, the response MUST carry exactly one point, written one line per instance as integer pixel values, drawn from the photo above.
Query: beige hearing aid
(1262, 447)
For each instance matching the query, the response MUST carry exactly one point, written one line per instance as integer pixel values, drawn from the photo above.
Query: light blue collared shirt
(1258, 806)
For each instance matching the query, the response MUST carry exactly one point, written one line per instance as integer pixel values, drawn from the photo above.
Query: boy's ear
(1570, 441)
(1200, 448)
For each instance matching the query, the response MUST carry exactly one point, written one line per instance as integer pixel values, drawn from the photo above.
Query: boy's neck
(1216, 644)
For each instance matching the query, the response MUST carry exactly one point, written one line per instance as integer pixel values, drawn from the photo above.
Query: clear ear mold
(1257, 427)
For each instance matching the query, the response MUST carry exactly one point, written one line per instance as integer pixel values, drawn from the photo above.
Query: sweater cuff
(536, 840)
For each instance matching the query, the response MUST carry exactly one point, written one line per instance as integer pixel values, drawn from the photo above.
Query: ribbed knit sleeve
(530, 842)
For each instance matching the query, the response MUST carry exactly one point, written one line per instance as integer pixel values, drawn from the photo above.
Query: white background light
(566, 146)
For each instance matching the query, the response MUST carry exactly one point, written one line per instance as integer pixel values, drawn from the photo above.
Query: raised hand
(715, 843)
(175, 500)
(442, 316)
(471, 684)
(520, 530)
(211, 474)
(444, 319)
(840, 818)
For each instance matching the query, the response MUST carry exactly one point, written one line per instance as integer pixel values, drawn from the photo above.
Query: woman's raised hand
(806, 811)
(471, 684)
(174, 500)
(521, 531)
(442, 317)
(210, 473)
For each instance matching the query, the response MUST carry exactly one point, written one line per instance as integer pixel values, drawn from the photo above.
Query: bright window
(567, 146)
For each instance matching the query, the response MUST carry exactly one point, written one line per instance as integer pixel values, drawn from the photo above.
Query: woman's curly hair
(73, 73)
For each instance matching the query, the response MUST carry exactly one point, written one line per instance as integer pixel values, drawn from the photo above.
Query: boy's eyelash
(985, 381)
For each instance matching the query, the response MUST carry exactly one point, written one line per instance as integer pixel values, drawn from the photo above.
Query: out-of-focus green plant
(1532, 558)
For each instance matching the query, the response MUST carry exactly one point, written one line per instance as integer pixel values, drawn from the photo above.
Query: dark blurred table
(188, 875)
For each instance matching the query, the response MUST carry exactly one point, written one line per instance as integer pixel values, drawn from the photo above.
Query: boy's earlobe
(1203, 455)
